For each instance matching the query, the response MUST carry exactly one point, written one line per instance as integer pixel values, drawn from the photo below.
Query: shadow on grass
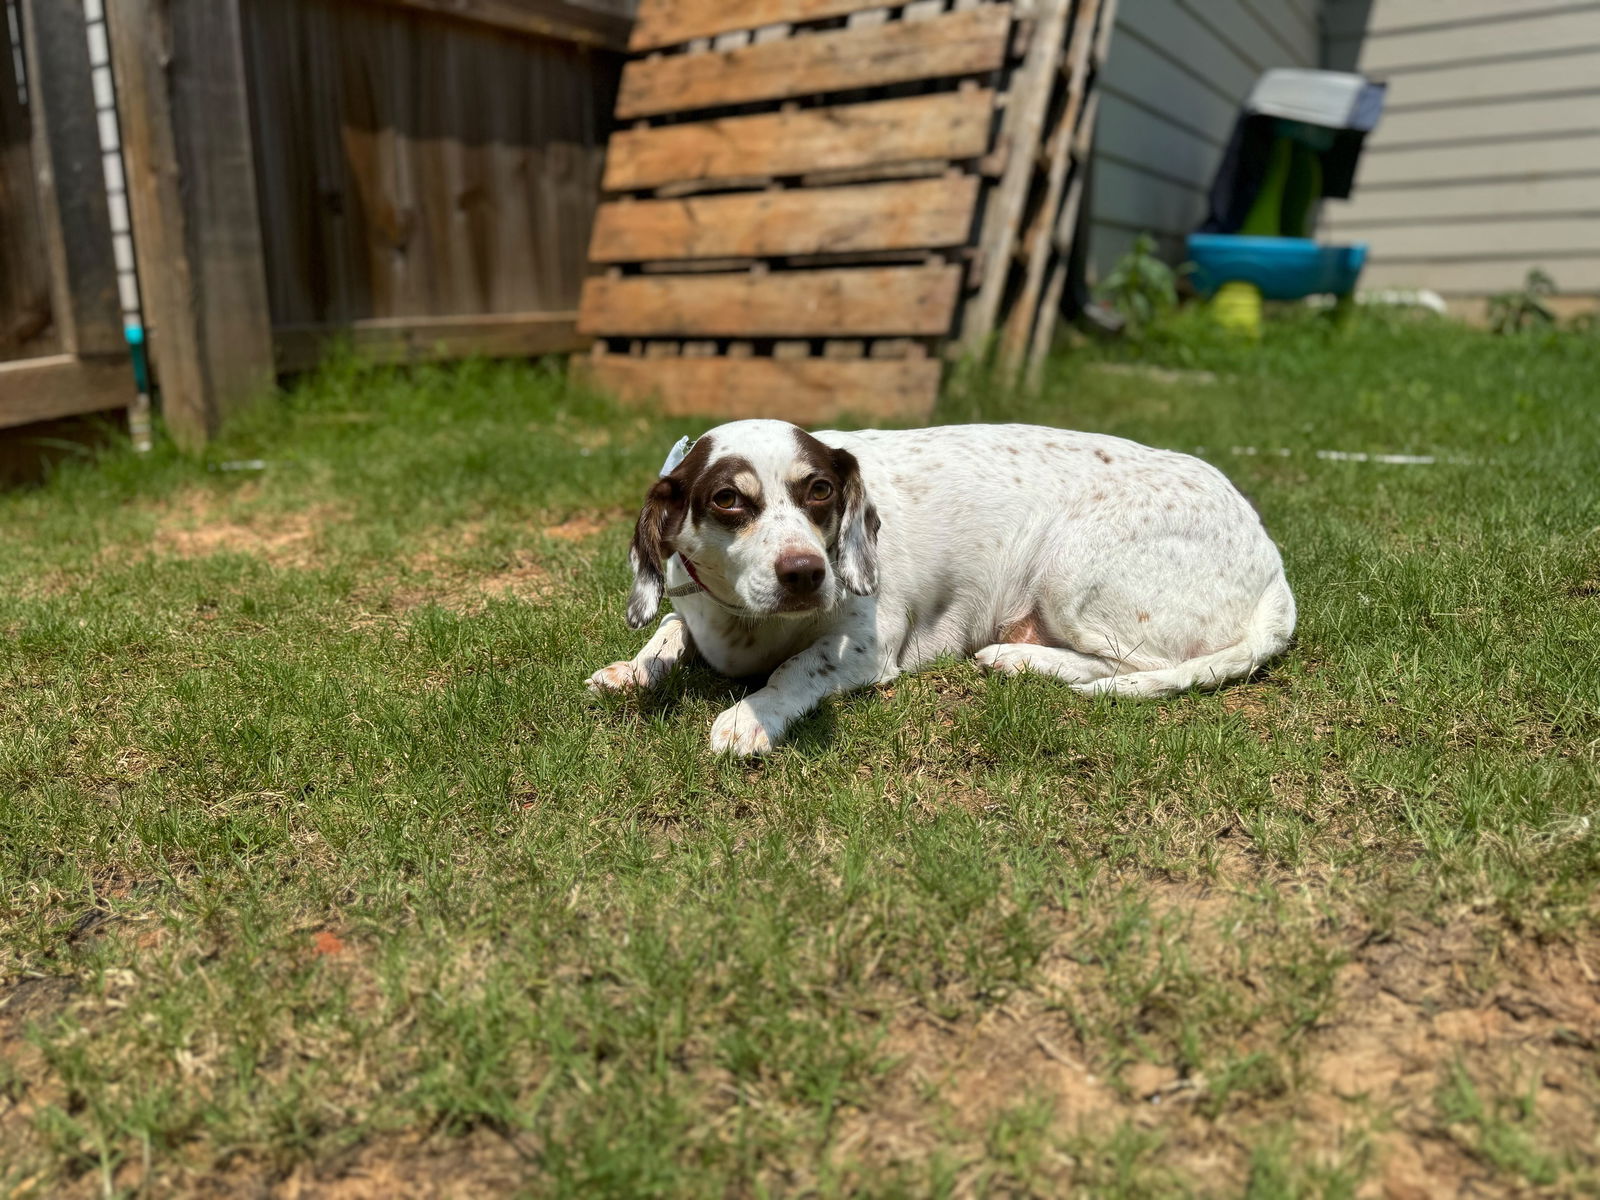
(811, 734)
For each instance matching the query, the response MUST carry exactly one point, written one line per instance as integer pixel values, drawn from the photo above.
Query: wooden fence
(61, 344)
(416, 176)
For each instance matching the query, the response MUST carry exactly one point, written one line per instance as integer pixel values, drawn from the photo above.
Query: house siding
(1487, 163)
(1169, 95)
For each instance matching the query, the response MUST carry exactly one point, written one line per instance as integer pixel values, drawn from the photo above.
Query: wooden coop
(813, 205)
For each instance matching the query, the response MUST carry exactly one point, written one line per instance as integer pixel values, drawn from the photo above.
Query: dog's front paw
(739, 731)
(618, 677)
(1007, 660)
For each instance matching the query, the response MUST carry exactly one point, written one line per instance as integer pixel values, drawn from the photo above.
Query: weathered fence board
(916, 214)
(946, 125)
(27, 321)
(423, 339)
(957, 43)
(805, 390)
(870, 300)
(415, 166)
(580, 24)
(78, 311)
(178, 66)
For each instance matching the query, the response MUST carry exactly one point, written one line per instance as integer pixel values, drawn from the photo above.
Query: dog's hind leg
(1015, 657)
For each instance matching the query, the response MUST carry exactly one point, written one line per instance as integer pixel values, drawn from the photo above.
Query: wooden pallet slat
(952, 125)
(804, 390)
(966, 42)
(1038, 241)
(672, 22)
(923, 213)
(869, 300)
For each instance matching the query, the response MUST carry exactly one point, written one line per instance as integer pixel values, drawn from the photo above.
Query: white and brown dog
(837, 560)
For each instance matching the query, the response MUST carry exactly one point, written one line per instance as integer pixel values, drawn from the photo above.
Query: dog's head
(771, 522)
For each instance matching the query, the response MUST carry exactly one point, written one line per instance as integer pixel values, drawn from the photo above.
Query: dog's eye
(820, 490)
(727, 499)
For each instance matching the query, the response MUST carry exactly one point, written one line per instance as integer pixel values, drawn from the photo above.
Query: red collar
(693, 574)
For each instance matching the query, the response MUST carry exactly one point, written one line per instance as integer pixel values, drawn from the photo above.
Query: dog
(834, 561)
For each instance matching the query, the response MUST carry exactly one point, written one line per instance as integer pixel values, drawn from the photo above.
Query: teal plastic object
(1283, 268)
(141, 367)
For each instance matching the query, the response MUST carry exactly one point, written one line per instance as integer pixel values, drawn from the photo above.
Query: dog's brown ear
(649, 551)
(856, 552)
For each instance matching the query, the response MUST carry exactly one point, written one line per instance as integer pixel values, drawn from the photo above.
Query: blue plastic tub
(1283, 268)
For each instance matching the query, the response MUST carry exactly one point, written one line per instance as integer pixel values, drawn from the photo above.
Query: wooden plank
(62, 385)
(72, 192)
(671, 22)
(1037, 242)
(581, 24)
(27, 322)
(957, 43)
(860, 303)
(192, 189)
(429, 339)
(1021, 132)
(949, 125)
(888, 216)
(807, 391)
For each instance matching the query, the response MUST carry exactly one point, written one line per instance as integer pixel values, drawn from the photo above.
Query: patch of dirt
(1411, 1021)
(582, 526)
(478, 1164)
(434, 575)
(194, 528)
(1416, 1016)
(951, 1082)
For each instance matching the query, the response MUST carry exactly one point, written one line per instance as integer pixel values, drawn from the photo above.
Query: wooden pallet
(817, 203)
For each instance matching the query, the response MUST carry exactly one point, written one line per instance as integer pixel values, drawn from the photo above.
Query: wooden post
(179, 66)
(72, 192)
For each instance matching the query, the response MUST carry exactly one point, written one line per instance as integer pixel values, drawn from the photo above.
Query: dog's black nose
(801, 573)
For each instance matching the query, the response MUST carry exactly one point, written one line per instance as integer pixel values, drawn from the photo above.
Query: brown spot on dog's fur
(1143, 617)
(1102, 456)
(1029, 631)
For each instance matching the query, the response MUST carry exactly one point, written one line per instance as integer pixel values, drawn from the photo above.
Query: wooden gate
(62, 351)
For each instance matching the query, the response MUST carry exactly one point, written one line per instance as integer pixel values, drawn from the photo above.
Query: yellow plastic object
(1237, 306)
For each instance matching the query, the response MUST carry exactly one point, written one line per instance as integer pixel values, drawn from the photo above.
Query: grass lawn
(320, 874)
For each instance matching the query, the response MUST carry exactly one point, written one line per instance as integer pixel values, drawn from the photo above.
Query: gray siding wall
(1171, 90)
(1487, 162)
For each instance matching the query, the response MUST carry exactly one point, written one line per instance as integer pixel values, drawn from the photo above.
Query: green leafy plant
(1524, 310)
(1140, 287)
